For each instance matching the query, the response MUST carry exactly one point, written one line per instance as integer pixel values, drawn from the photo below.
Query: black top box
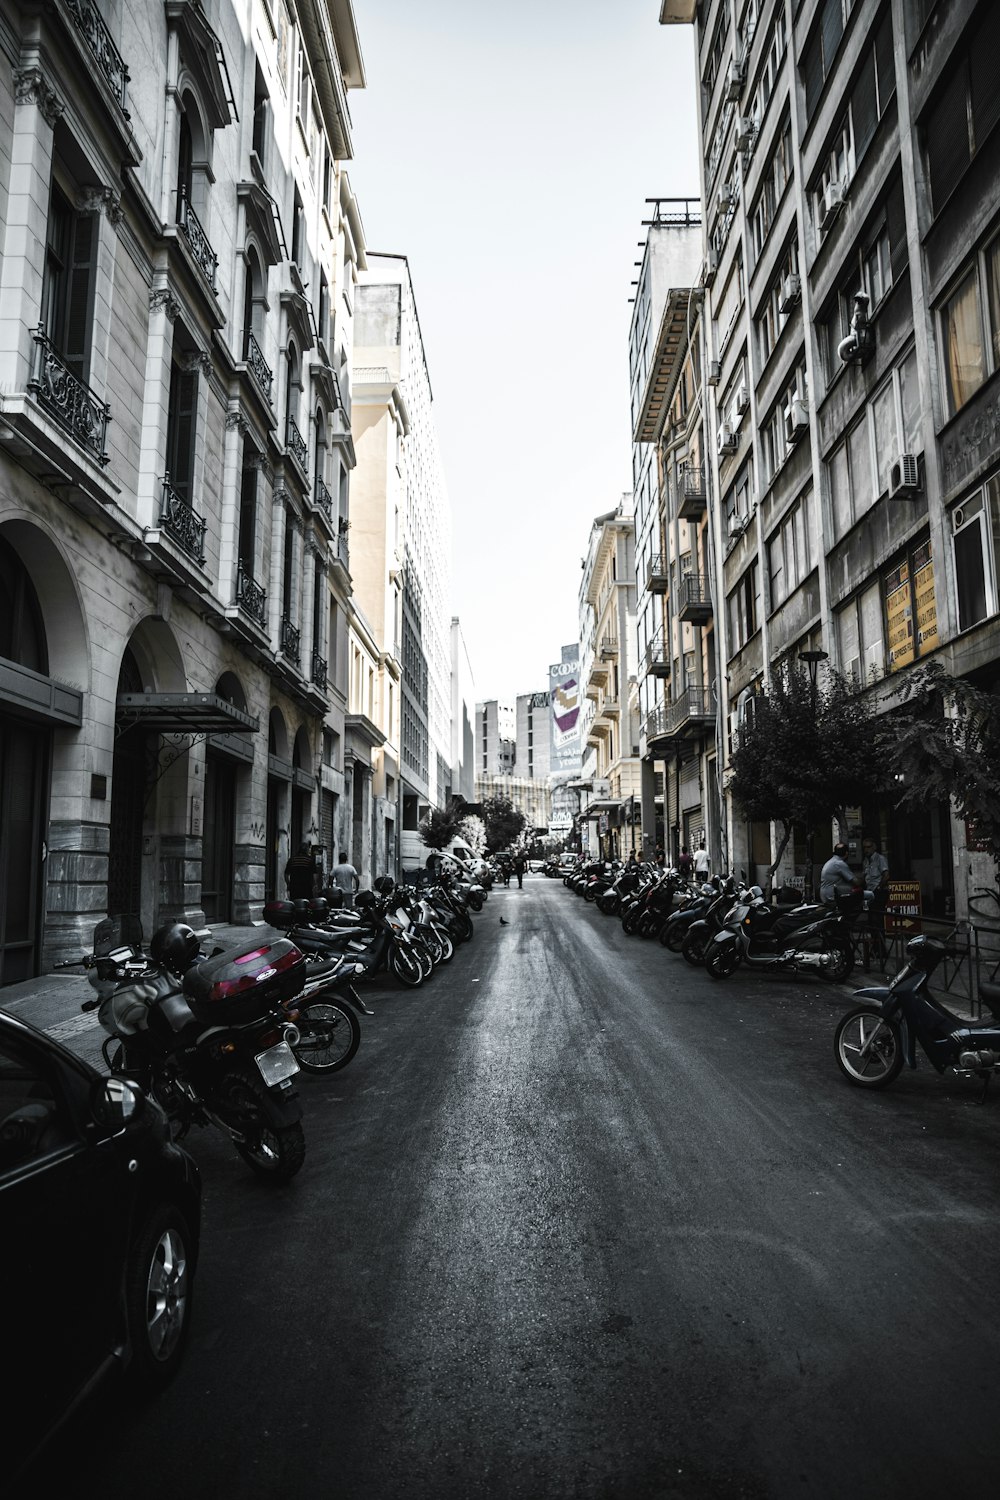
(242, 983)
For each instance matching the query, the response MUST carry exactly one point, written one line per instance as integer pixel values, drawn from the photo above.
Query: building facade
(852, 236)
(174, 457)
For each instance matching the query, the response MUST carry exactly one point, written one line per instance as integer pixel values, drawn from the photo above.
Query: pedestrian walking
(702, 862)
(685, 864)
(346, 877)
(300, 873)
(519, 864)
(836, 878)
(875, 874)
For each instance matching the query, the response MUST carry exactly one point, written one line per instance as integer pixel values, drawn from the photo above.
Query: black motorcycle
(873, 1040)
(805, 939)
(211, 1038)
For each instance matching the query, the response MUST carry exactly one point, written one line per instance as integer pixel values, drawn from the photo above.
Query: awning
(605, 804)
(182, 713)
(34, 696)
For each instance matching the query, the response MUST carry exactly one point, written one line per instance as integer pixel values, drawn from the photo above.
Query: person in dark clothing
(519, 864)
(300, 873)
(685, 864)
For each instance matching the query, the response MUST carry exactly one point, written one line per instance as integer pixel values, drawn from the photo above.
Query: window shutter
(947, 139)
(79, 303)
(984, 67)
(181, 422)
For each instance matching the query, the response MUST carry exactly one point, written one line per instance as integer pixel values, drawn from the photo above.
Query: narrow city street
(579, 1222)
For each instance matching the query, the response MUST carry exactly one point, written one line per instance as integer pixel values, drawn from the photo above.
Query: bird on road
(504, 922)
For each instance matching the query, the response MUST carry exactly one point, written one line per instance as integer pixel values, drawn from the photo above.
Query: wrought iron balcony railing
(109, 60)
(658, 656)
(319, 669)
(296, 444)
(695, 601)
(73, 405)
(249, 595)
(182, 523)
(258, 365)
(323, 499)
(197, 239)
(691, 710)
(691, 502)
(343, 550)
(290, 639)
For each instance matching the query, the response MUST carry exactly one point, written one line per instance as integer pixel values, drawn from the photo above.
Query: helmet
(365, 898)
(385, 886)
(319, 908)
(174, 946)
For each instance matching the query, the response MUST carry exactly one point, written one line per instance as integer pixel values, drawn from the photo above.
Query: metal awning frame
(182, 713)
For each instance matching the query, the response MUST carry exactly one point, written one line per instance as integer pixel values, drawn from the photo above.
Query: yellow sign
(904, 908)
(899, 617)
(926, 602)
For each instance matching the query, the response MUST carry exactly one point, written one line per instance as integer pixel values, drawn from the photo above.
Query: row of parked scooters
(722, 923)
(216, 1038)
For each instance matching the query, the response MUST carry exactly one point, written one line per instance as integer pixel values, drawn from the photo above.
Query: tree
(946, 744)
(503, 823)
(473, 830)
(438, 828)
(806, 754)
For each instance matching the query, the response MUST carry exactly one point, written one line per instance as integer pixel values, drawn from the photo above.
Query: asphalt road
(580, 1222)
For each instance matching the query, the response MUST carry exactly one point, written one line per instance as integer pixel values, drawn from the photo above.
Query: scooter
(805, 938)
(873, 1040)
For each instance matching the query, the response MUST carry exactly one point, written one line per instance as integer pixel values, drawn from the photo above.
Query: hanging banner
(564, 697)
(925, 600)
(899, 617)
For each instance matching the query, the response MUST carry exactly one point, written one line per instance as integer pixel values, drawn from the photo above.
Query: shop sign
(911, 609)
(926, 600)
(976, 843)
(904, 908)
(899, 617)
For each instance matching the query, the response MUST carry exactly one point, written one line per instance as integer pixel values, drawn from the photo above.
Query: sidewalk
(52, 1001)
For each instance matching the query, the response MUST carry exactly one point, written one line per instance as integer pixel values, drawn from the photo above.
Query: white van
(415, 855)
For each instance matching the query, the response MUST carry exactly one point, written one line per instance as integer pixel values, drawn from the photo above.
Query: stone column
(37, 107)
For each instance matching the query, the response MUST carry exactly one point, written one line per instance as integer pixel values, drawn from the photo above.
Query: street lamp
(812, 660)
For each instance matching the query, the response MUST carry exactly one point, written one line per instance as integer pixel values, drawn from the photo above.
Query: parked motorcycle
(692, 908)
(807, 938)
(872, 1041)
(697, 934)
(210, 1038)
(377, 940)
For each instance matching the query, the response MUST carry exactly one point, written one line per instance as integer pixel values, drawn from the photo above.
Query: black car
(100, 1216)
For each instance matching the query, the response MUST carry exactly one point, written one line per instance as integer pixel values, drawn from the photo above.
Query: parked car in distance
(101, 1217)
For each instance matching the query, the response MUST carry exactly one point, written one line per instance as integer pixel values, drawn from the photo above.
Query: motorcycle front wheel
(868, 1048)
(406, 967)
(694, 947)
(275, 1151)
(672, 937)
(329, 1036)
(723, 961)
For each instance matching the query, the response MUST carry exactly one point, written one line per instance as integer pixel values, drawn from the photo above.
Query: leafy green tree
(439, 827)
(946, 743)
(503, 822)
(806, 754)
(473, 830)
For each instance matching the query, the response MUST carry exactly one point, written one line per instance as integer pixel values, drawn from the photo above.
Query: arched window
(22, 630)
(319, 473)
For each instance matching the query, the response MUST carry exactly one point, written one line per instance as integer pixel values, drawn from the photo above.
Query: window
(910, 606)
(859, 469)
(975, 528)
(821, 49)
(716, 52)
(874, 86)
(68, 289)
(964, 116)
(772, 191)
(860, 637)
(182, 419)
(261, 114)
(837, 169)
(789, 557)
(782, 429)
(964, 345)
(771, 320)
(298, 230)
(247, 543)
(744, 609)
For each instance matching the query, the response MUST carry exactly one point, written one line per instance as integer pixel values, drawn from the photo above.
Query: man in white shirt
(836, 877)
(702, 862)
(345, 876)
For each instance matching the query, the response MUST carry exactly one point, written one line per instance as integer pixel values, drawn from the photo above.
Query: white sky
(507, 150)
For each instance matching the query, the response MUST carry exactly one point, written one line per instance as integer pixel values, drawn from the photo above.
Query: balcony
(318, 670)
(190, 226)
(323, 500)
(258, 367)
(657, 727)
(658, 657)
(657, 578)
(289, 640)
(295, 444)
(609, 648)
(110, 63)
(691, 498)
(695, 601)
(250, 597)
(692, 711)
(71, 403)
(181, 523)
(341, 549)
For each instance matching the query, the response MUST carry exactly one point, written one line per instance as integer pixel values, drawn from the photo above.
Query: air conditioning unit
(796, 419)
(746, 132)
(728, 441)
(737, 526)
(734, 80)
(742, 402)
(791, 294)
(904, 477)
(833, 202)
(714, 371)
(724, 200)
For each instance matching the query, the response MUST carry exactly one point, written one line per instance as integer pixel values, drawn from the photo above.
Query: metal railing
(296, 444)
(694, 595)
(90, 23)
(74, 405)
(249, 595)
(182, 523)
(290, 637)
(343, 550)
(319, 669)
(258, 366)
(691, 707)
(657, 571)
(973, 955)
(197, 239)
(323, 499)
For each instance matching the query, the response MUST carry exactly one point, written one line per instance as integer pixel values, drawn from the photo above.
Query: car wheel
(159, 1291)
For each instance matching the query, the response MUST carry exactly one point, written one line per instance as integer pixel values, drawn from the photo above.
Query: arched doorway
(25, 757)
(129, 773)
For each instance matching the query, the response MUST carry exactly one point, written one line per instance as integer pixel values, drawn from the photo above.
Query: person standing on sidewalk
(300, 873)
(836, 877)
(346, 877)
